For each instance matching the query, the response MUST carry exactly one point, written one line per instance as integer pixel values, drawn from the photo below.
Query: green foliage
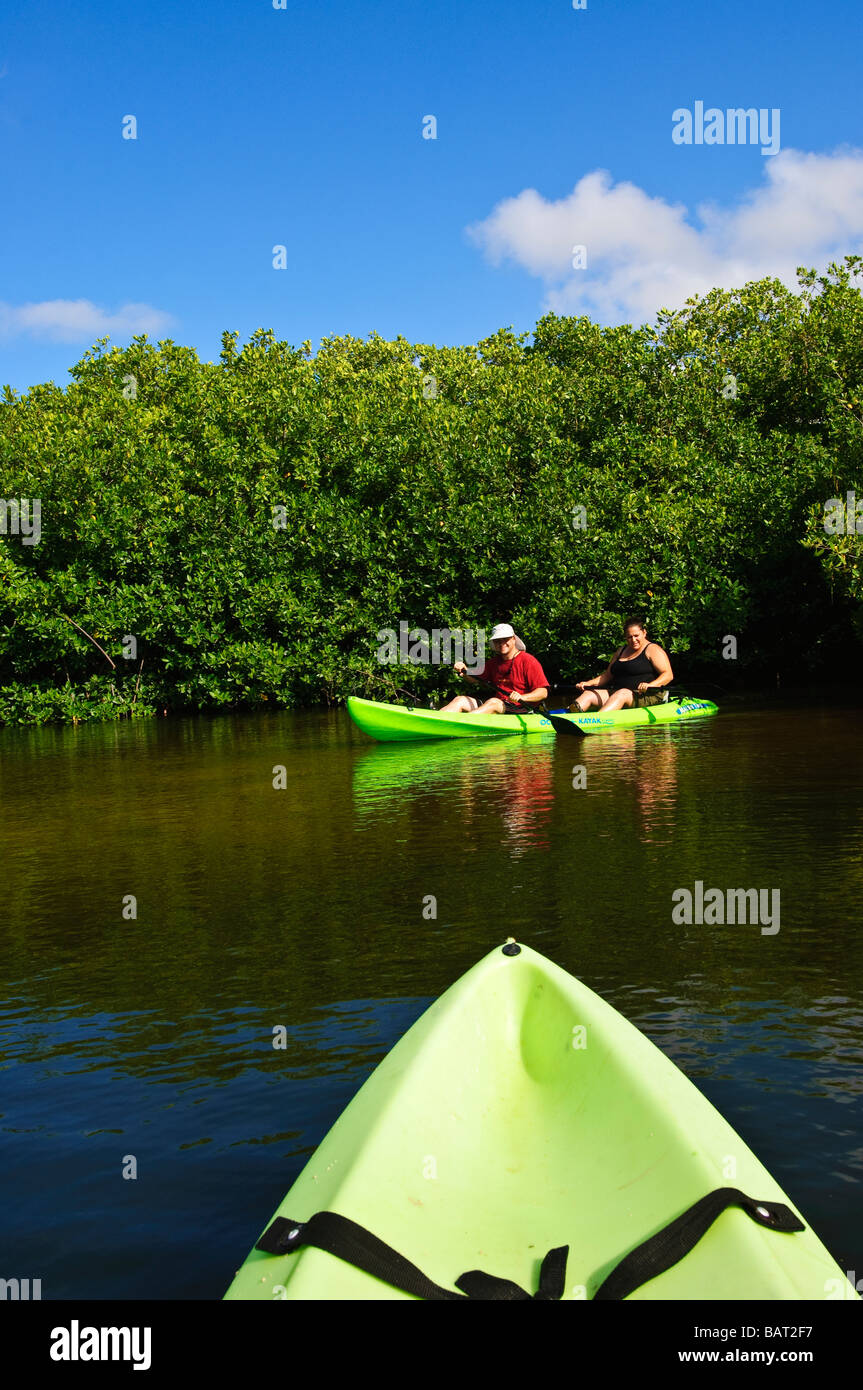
(702, 450)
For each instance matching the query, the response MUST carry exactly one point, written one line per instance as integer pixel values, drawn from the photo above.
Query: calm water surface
(303, 907)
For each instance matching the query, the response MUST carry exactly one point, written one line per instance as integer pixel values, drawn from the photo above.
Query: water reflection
(645, 770)
(509, 781)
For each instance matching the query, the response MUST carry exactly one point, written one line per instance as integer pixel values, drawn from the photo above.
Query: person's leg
(621, 699)
(590, 699)
(491, 706)
(461, 704)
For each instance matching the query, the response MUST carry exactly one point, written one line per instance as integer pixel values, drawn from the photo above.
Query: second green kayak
(524, 1140)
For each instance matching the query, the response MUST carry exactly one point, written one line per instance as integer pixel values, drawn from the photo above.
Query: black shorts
(650, 697)
(641, 701)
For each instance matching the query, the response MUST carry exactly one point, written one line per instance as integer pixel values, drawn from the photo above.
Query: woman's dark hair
(635, 622)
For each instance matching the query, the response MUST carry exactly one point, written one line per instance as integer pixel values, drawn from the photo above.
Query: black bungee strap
(340, 1236)
(664, 1249)
(344, 1238)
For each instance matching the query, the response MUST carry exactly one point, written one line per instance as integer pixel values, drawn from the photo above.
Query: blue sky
(303, 127)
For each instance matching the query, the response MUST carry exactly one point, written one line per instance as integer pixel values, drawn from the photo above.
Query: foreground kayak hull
(397, 724)
(519, 1114)
(674, 712)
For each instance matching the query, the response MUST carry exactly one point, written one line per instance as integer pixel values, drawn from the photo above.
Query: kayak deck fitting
(594, 722)
(399, 724)
(524, 1140)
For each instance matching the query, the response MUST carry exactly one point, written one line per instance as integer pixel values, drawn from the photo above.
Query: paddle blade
(565, 724)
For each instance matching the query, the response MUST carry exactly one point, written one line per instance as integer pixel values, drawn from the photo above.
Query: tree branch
(92, 639)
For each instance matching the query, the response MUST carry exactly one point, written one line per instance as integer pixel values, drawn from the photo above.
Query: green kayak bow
(523, 1140)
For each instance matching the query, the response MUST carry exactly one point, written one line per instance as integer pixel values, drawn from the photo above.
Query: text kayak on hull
(594, 722)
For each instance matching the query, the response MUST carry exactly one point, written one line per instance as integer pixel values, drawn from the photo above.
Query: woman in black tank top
(633, 671)
(636, 676)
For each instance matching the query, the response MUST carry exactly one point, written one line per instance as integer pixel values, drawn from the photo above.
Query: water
(149, 1039)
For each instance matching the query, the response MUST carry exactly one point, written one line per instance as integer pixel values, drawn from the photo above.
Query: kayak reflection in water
(512, 671)
(636, 676)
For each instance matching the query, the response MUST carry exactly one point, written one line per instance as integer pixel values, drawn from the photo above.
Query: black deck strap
(662, 1250)
(552, 1276)
(340, 1236)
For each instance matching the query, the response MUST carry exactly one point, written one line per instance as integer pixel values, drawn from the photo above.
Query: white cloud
(79, 320)
(644, 253)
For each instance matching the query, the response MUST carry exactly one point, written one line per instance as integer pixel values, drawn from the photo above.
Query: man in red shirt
(515, 674)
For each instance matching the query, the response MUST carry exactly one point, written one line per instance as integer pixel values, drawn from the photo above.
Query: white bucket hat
(502, 630)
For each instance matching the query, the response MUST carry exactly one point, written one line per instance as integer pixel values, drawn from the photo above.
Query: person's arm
(531, 697)
(663, 666)
(461, 670)
(599, 682)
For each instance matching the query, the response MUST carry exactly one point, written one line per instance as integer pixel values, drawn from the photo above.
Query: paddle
(564, 724)
(565, 693)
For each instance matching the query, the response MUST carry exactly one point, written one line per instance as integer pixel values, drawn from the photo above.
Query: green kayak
(673, 712)
(523, 1139)
(398, 724)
